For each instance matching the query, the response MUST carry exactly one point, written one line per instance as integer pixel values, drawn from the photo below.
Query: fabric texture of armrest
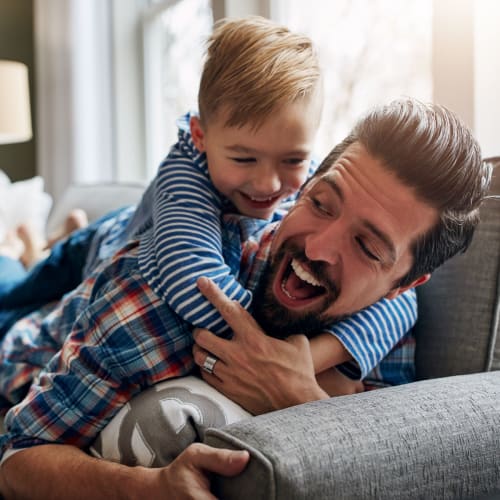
(431, 439)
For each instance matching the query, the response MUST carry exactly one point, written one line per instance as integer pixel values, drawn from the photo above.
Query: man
(397, 198)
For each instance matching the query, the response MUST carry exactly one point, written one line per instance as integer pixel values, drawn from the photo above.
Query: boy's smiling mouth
(261, 202)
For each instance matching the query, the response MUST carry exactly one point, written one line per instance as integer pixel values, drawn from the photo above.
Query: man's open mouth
(295, 286)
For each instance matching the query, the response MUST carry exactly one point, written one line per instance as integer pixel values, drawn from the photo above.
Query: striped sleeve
(370, 334)
(186, 241)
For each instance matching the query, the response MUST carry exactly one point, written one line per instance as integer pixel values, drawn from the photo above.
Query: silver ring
(209, 363)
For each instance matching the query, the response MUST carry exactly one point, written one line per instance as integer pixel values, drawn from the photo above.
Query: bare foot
(76, 219)
(34, 244)
(12, 246)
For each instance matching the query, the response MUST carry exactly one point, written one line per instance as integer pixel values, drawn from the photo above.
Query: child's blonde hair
(254, 66)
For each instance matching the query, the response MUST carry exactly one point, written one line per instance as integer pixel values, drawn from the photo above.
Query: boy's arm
(335, 383)
(186, 242)
(370, 334)
(327, 351)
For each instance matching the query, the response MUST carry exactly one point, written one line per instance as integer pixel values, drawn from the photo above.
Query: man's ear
(395, 292)
(197, 133)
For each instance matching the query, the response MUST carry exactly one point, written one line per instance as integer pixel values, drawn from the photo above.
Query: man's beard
(278, 321)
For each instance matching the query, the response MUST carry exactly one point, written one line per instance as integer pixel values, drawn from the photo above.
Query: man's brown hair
(433, 152)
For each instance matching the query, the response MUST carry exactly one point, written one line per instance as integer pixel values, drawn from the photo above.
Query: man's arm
(258, 372)
(63, 471)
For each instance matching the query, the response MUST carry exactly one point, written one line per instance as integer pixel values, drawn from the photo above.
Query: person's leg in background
(53, 276)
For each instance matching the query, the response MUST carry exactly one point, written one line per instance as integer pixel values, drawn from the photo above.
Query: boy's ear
(395, 292)
(197, 133)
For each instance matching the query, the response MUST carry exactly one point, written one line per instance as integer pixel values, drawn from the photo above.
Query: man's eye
(243, 160)
(366, 250)
(319, 207)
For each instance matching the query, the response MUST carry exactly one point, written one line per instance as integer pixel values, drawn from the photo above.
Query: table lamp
(15, 116)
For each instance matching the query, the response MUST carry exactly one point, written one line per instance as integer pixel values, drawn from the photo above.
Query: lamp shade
(15, 116)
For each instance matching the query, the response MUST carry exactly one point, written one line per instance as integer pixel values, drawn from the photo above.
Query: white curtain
(89, 91)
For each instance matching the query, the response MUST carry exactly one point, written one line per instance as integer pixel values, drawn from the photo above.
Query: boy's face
(257, 169)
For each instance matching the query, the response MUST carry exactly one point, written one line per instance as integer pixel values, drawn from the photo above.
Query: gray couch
(435, 438)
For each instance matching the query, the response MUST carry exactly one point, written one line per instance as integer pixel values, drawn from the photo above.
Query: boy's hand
(258, 372)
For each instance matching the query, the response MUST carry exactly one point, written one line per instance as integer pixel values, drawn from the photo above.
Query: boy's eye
(295, 161)
(243, 159)
(366, 250)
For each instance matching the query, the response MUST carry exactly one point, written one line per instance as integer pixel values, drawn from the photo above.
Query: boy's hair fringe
(253, 67)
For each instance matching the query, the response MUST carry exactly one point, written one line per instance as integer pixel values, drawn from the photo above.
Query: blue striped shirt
(182, 240)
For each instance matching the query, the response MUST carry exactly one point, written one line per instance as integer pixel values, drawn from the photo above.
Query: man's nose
(324, 244)
(266, 180)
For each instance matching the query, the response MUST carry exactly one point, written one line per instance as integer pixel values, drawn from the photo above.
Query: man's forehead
(383, 204)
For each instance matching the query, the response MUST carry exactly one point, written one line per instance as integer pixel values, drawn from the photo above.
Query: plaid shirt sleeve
(123, 341)
(398, 367)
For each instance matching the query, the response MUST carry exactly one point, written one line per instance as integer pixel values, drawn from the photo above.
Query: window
(174, 44)
(113, 75)
(371, 52)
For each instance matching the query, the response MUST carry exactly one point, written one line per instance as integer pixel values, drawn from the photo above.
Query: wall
(453, 57)
(467, 67)
(487, 76)
(18, 161)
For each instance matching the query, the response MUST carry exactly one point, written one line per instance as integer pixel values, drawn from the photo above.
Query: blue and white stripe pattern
(183, 241)
(370, 334)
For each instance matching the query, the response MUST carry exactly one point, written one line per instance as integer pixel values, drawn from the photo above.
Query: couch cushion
(95, 199)
(458, 327)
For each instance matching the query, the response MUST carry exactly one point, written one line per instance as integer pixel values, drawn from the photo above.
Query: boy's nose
(266, 181)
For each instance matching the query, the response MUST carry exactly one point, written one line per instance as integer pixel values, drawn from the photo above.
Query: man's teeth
(303, 274)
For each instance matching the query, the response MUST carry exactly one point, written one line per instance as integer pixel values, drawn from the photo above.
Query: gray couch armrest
(430, 439)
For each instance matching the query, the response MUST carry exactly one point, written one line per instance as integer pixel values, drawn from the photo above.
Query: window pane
(372, 51)
(174, 38)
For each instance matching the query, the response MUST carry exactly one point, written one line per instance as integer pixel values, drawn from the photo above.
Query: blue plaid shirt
(123, 340)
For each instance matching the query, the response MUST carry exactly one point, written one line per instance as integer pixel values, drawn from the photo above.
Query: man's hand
(63, 471)
(258, 372)
(187, 476)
